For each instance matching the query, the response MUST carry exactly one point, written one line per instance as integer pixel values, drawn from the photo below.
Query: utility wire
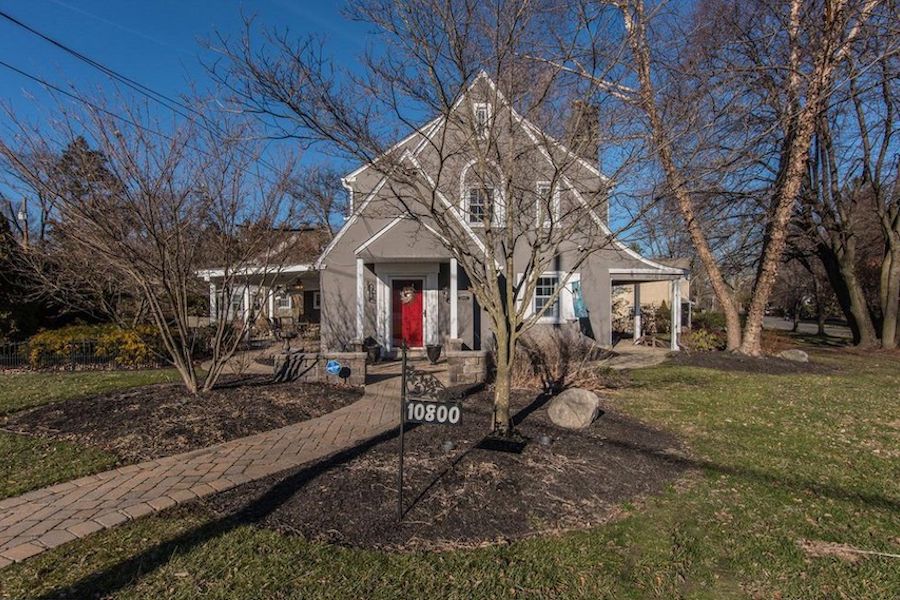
(113, 114)
(137, 86)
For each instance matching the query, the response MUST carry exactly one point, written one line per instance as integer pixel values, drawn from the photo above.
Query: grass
(779, 460)
(28, 462)
(26, 390)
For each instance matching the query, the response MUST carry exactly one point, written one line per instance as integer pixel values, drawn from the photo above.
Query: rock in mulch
(574, 408)
(794, 355)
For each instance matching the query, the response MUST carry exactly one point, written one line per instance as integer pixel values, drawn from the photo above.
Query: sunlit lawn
(28, 462)
(781, 460)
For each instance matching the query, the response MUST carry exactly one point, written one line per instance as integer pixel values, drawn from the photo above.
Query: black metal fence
(87, 354)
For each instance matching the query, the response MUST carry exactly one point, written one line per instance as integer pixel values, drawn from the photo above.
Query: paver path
(49, 517)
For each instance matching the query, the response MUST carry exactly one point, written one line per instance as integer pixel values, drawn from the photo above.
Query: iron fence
(87, 354)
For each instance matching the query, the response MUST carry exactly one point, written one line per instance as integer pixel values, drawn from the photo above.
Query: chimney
(583, 131)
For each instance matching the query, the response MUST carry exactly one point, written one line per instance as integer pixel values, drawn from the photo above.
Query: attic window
(547, 197)
(482, 119)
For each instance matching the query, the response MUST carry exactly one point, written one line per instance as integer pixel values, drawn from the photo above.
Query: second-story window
(479, 204)
(547, 205)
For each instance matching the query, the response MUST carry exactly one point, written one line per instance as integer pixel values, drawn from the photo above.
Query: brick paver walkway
(49, 517)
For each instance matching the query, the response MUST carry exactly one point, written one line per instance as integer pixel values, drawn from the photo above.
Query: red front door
(407, 312)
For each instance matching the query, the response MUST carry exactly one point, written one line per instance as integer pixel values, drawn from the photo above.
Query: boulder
(574, 408)
(794, 355)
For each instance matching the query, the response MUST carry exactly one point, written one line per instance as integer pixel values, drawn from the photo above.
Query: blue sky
(155, 42)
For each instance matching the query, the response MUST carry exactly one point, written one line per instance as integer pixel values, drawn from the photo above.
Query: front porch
(638, 277)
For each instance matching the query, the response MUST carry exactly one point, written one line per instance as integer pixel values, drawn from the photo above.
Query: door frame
(385, 274)
(391, 281)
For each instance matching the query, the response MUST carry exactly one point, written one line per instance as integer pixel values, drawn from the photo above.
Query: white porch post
(245, 305)
(454, 300)
(360, 299)
(637, 312)
(213, 304)
(271, 299)
(676, 309)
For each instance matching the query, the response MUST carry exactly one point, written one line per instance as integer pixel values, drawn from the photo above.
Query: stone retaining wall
(467, 366)
(310, 367)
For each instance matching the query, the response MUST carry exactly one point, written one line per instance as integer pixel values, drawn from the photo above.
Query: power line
(137, 86)
(113, 114)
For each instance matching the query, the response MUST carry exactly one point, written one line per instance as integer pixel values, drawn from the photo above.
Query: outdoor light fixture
(445, 294)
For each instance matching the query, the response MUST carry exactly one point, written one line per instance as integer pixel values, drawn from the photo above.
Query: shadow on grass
(123, 573)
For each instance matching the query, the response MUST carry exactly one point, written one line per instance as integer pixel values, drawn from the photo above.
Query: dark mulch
(730, 361)
(466, 496)
(160, 420)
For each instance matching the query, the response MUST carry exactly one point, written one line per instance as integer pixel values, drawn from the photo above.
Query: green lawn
(29, 462)
(19, 391)
(781, 459)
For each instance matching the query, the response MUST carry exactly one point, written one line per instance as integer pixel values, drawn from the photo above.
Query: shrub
(703, 340)
(100, 343)
(553, 360)
(710, 321)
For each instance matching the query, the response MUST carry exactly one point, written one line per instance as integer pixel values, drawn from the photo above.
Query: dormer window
(482, 113)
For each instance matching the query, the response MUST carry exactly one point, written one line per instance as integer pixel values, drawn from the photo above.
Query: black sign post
(402, 427)
(421, 401)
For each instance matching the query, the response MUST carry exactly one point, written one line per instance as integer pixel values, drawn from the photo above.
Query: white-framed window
(478, 203)
(317, 300)
(482, 114)
(547, 196)
(543, 293)
(283, 301)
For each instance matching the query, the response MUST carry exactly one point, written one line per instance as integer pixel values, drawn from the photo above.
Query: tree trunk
(890, 296)
(839, 286)
(676, 183)
(859, 307)
(502, 385)
(796, 316)
(820, 306)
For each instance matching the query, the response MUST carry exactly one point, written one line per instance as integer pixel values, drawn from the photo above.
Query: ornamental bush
(94, 344)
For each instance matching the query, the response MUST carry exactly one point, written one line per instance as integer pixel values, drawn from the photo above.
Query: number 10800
(441, 413)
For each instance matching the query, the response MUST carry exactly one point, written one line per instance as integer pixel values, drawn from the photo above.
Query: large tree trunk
(836, 280)
(890, 296)
(634, 25)
(859, 307)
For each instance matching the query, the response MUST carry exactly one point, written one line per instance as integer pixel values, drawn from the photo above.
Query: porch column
(245, 305)
(360, 299)
(637, 312)
(676, 310)
(454, 301)
(213, 303)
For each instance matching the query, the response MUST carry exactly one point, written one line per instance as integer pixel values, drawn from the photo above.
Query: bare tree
(762, 73)
(319, 197)
(495, 130)
(147, 207)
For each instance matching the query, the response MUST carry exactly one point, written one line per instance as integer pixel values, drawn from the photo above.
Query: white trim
(452, 210)
(636, 311)
(565, 298)
(360, 299)
(386, 273)
(378, 234)
(454, 299)
(297, 268)
(675, 290)
(317, 299)
(659, 270)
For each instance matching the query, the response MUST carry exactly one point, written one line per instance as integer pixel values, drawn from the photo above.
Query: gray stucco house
(386, 277)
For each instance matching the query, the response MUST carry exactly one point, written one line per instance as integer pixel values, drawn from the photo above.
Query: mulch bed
(730, 361)
(160, 420)
(465, 496)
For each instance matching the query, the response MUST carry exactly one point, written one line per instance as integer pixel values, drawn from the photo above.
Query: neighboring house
(287, 286)
(654, 294)
(389, 278)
